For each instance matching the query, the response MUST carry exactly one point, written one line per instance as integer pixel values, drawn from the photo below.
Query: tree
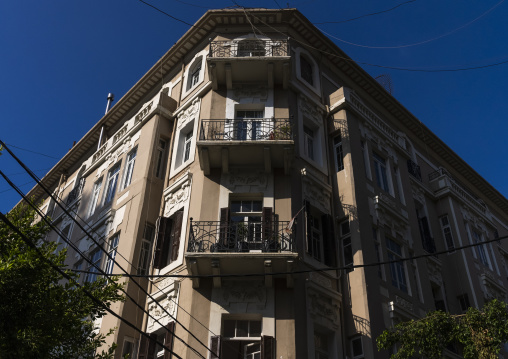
(480, 333)
(43, 315)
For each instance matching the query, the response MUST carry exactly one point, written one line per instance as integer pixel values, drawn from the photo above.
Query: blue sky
(59, 59)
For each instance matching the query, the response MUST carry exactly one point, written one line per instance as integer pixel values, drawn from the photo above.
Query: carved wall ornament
(401, 302)
(324, 309)
(190, 113)
(251, 92)
(176, 199)
(248, 292)
(144, 112)
(246, 181)
(321, 280)
(159, 312)
(434, 269)
(317, 195)
(310, 110)
(491, 289)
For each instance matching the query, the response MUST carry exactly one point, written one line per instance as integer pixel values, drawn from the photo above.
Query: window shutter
(308, 226)
(267, 347)
(176, 230)
(224, 225)
(147, 347)
(267, 223)
(162, 223)
(330, 253)
(215, 346)
(168, 342)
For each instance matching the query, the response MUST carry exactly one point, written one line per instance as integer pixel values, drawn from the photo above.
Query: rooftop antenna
(111, 98)
(385, 80)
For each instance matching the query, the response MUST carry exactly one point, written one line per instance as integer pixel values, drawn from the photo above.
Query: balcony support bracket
(290, 264)
(216, 271)
(193, 268)
(268, 271)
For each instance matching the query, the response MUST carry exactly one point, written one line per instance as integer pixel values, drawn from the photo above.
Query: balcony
(266, 143)
(216, 247)
(249, 61)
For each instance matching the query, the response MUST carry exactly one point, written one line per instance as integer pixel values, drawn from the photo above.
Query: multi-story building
(267, 162)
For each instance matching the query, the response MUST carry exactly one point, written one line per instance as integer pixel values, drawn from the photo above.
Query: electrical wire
(366, 15)
(416, 43)
(10, 189)
(74, 282)
(37, 153)
(467, 68)
(98, 244)
(86, 258)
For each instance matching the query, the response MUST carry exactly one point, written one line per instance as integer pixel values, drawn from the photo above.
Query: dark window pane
(229, 328)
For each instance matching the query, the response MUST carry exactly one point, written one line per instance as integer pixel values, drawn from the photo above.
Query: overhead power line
(99, 246)
(74, 282)
(37, 153)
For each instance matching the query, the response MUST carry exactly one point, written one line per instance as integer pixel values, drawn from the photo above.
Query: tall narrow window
(113, 248)
(306, 70)
(339, 155)
(195, 75)
(447, 232)
(129, 167)
(308, 142)
(381, 176)
(111, 183)
(95, 197)
(93, 267)
(161, 153)
(146, 245)
(248, 125)
(187, 146)
(242, 339)
(314, 236)
(397, 269)
(480, 249)
(321, 346)
(345, 233)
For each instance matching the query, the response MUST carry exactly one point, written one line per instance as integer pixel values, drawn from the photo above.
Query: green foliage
(43, 315)
(480, 333)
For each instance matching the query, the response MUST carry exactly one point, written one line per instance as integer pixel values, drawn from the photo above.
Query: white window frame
(382, 169)
(358, 356)
(192, 77)
(112, 251)
(446, 229)
(96, 258)
(346, 242)
(133, 353)
(95, 196)
(145, 250)
(365, 152)
(338, 152)
(316, 85)
(254, 340)
(315, 238)
(187, 146)
(112, 183)
(481, 251)
(398, 279)
(309, 142)
(129, 168)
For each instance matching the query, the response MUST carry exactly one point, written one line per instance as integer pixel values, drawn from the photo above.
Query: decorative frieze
(164, 308)
(144, 112)
(243, 293)
(188, 114)
(259, 92)
(323, 309)
(176, 196)
(310, 110)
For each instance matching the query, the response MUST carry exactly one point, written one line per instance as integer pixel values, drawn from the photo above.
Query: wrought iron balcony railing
(249, 48)
(217, 236)
(255, 129)
(414, 170)
(76, 191)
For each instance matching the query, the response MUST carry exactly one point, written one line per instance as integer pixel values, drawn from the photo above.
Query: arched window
(306, 70)
(194, 74)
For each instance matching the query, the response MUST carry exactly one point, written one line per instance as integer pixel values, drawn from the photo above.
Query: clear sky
(59, 59)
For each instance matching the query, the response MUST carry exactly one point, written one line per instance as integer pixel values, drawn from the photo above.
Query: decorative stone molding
(176, 196)
(189, 113)
(318, 196)
(491, 289)
(404, 304)
(164, 308)
(321, 280)
(434, 268)
(246, 181)
(247, 292)
(310, 110)
(323, 309)
(251, 92)
(143, 113)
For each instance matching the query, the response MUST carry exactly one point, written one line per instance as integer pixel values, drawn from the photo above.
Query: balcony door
(248, 125)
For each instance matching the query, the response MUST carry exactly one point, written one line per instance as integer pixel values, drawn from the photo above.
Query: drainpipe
(111, 98)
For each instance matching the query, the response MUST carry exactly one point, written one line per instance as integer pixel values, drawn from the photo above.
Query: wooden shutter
(267, 347)
(162, 223)
(176, 231)
(168, 342)
(215, 346)
(330, 252)
(267, 224)
(147, 347)
(224, 225)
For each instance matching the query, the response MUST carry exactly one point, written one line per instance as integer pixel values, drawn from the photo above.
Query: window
(423, 225)
(321, 346)
(244, 337)
(248, 125)
(380, 169)
(320, 236)
(397, 269)
(308, 142)
(248, 48)
(111, 183)
(480, 249)
(306, 70)
(464, 302)
(345, 233)
(160, 157)
(94, 266)
(168, 239)
(113, 247)
(129, 167)
(187, 146)
(146, 245)
(338, 153)
(366, 163)
(379, 254)
(314, 236)
(95, 197)
(357, 348)
(149, 348)
(128, 348)
(194, 74)
(246, 219)
(447, 232)
(64, 236)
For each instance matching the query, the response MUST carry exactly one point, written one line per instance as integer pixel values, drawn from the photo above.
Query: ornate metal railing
(414, 170)
(217, 236)
(249, 48)
(255, 129)
(76, 191)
